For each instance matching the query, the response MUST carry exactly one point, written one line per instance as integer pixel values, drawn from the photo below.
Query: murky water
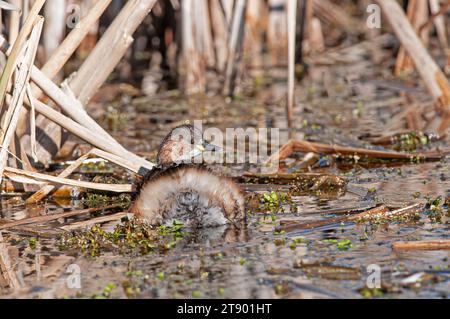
(252, 260)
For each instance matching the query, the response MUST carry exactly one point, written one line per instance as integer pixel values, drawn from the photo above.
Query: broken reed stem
(47, 218)
(6, 267)
(68, 103)
(291, 17)
(15, 51)
(443, 244)
(23, 76)
(88, 135)
(32, 124)
(46, 189)
(93, 221)
(39, 178)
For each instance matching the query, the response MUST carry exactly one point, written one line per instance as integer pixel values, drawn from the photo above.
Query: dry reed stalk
(203, 32)
(47, 218)
(372, 215)
(55, 26)
(68, 46)
(443, 244)
(290, 225)
(19, 175)
(234, 46)
(9, 6)
(433, 77)
(32, 124)
(46, 189)
(291, 17)
(93, 221)
(88, 135)
(15, 50)
(69, 104)
(60, 56)
(228, 6)
(14, 20)
(11, 118)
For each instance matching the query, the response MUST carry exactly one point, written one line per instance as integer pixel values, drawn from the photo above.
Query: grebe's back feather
(189, 194)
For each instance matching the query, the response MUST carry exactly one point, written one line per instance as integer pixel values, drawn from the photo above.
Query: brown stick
(87, 135)
(374, 214)
(47, 218)
(46, 189)
(305, 146)
(443, 244)
(26, 29)
(6, 267)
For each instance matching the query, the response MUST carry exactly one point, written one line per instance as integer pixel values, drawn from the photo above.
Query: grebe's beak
(204, 147)
(210, 147)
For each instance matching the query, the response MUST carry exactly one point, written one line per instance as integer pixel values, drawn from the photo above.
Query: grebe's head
(182, 145)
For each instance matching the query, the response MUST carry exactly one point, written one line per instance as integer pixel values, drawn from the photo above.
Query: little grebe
(189, 193)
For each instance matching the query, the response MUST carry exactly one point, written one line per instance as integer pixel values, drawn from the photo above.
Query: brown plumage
(182, 191)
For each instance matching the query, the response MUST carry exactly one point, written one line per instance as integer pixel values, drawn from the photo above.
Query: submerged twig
(374, 214)
(47, 218)
(46, 189)
(93, 221)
